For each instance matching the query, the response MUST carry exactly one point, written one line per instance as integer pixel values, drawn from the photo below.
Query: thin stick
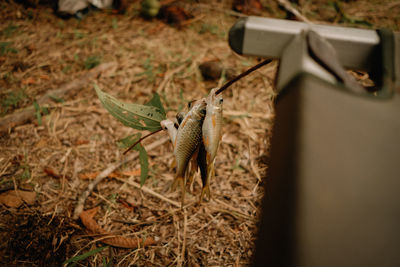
(101, 176)
(205, 225)
(241, 75)
(149, 191)
(233, 211)
(140, 140)
(286, 5)
(182, 256)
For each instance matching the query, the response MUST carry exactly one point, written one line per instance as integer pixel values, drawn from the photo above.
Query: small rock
(212, 70)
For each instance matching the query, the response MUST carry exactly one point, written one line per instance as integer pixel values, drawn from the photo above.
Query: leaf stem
(241, 75)
(140, 140)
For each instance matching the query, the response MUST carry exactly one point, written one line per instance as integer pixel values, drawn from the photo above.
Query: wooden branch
(286, 5)
(81, 200)
(243, 74)
(140, 140)
(22, 116)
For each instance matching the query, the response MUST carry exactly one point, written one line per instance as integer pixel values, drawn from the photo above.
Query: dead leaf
(15, 198)
(116, 241)
(93, 175)
(81, 142)
(28, 81)
(51, 172)
(42, 143)
(44, 77)
(129, 206)
(131, 173)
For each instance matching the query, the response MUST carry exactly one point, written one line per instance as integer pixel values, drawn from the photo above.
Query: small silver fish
(211, 132)
(188, 138)
(192, 165)
(170, 127)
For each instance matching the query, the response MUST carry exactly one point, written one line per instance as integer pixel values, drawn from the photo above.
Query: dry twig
(106, 172)
(26, 114)
(149, 191)
(182, 256)
(286, 5)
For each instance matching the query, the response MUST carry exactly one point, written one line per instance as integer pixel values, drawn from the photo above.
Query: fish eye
(203, 111)
(190, 104)
(179, 117)
(221, 100)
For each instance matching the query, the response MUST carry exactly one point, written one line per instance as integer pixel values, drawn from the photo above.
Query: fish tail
(206, 186)
(180, 180)
(173, 163)
(205, 191)
(193, 166)
(210, 174)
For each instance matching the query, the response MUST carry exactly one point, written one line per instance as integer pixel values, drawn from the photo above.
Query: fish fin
(173, 163)
(206, 187)
(193, 167)
(194, 159)
(169, 126)
(205, 191)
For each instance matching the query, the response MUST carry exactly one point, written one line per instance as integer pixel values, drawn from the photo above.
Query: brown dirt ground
(41, 52)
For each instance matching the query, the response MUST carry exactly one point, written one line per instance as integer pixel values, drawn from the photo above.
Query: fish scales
(211, 131)
(188, 138)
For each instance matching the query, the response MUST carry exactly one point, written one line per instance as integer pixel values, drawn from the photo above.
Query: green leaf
(5, 48)
(143, 158)
(9, 30)
(75, 259)
(140, 117)
(45, 111)
(56, 99)
(114, 23)
(105, 263)
(91, 62)
(144, 163)
(37, 112)
(129, 140)
(26, 174)
(156, 102)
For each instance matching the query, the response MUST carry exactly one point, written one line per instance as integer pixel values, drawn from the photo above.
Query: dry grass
(79, 136)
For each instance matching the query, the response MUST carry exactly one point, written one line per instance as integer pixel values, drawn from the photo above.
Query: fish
(211, 136)
(187, 140)
(202, 165)
(170, 127)
(192, 167)
(179, 118)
